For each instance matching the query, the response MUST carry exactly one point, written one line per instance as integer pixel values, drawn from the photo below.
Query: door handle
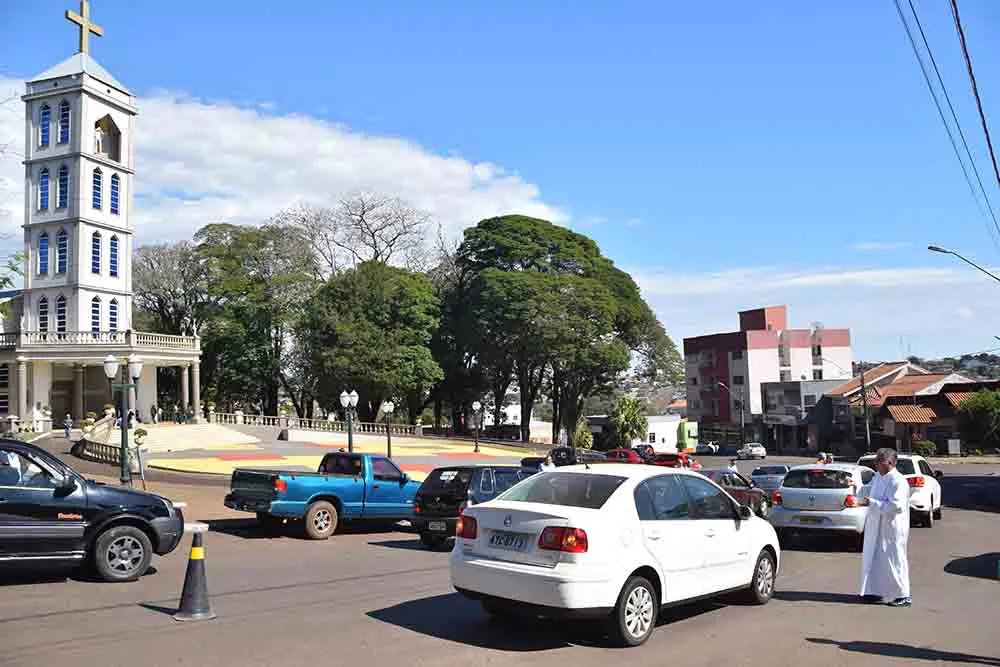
(654, 536)
(709, 533)
(375, 486)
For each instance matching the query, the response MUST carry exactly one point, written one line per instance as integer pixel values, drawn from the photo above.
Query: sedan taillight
(850, 501)
(916, 482)
(569, 540)
(776, 498)
(466, 528)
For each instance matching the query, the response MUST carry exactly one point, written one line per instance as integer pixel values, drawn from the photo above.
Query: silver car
(822, 498)
(769, 478)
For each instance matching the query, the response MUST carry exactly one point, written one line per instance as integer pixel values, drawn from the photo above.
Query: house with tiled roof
(926, 412)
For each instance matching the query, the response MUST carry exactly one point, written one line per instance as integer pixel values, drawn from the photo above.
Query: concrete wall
(762, 366)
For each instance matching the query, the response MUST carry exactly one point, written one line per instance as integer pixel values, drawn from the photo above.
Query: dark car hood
(108, 495)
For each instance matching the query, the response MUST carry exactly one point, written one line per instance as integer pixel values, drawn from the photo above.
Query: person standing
(547, 464)
(885, 570)
(68, 425)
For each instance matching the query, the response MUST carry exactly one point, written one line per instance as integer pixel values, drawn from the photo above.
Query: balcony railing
(129, 339)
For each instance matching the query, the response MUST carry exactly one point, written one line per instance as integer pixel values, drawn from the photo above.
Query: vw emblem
(812, 499)
(507, 520)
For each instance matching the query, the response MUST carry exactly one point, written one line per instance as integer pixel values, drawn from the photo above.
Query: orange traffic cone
(194, 605)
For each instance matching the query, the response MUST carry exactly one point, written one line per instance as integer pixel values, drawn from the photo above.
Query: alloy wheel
(639, 611)
(125, 554)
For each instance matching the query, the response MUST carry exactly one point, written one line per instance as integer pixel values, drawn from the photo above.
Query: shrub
(582, 437)
(925, 448)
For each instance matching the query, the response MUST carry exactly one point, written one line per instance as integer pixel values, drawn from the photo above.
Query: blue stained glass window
(113, 257)
(62, 251)
(43, 254)
(64, 122)
(95, 315)
(61, 314)
(115, 192)
(62, 196)
(44, 126)
(43, 314)
(96, 193)
(43, 190)
(95, 253)
(113, 315)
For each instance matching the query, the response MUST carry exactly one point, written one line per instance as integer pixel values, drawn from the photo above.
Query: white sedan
(615, 542)
(925, 489)
(752, 450)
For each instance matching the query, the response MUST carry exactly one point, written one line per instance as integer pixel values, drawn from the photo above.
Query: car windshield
(769, 470)
(817, 478)
(904, 466)
(565, 488)
(448, 480)
(667, 457)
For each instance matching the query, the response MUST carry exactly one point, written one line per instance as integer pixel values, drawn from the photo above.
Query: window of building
(62, 251)
(737, 355)
(115, 193)
(113, 257)
(693, 381)
(809, 400)
(98, 182)
(4, 377)
(95, 253)
(44, 126)
(737, 380)
(62, 194)
(43, 254)
(818, 374)
(43, 315)
(61, 314)
(786, 376)
(43, 190)
(715, 407)
(64, 122)
(817, 350)
(113, 315)
(652, 438)
(95, 314)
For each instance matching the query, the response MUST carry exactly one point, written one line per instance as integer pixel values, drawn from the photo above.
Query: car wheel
(321, 520)
(927, 519)
(432, 541)
(937, 512)
(636, 612)
(762, 585)
(122, 553)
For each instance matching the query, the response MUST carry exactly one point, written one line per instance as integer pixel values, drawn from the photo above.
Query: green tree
(628, 421)
(170, 285)
(979, 419)
(582, 436)
(369, 328)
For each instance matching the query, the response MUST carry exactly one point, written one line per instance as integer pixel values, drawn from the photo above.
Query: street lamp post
(476, 407)
(739, 401)
(945, 251)
(111, 367)
(387, 408)
(349, 402)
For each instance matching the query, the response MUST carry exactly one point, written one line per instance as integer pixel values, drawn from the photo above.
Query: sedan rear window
(818, 478)
(904, 466)
(448, 479)
(769, 470)
(565, 488)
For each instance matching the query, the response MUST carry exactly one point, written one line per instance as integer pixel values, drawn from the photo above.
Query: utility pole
(743, 429)
(864, 403)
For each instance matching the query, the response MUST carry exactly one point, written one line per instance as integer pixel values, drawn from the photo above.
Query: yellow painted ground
(213, 466)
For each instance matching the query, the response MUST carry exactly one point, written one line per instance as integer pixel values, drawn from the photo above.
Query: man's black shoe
(901, 602)
(871, 599)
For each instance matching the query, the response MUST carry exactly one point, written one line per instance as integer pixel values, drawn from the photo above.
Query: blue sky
(729, 153)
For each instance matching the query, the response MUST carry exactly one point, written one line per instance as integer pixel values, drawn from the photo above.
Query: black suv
(447, 491)
(50, 513)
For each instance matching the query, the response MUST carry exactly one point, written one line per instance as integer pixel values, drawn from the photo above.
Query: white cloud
(892, 312)
(880, 246)
(200, 162)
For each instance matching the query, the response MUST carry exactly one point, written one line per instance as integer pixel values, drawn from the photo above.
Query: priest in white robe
(885, 572)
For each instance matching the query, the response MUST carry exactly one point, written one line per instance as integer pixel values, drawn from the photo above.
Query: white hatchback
(925, 489)
(616, 542)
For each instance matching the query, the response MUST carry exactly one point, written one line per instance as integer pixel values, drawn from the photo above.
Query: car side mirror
(66, 486)
(404, 479)
(938, 474)
(745, 512)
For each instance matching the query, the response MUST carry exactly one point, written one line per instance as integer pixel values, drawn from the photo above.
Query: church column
(196, 390)
(22, 392)
(184, 386)
(78, 397)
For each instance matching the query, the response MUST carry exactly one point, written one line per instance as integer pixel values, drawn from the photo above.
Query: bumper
(565, 590)
(920, 501)
(433, 525)
(846, 520)
(243, 504)
(169, 532)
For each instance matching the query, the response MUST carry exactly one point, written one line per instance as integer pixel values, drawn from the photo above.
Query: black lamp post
(945, 251)
(476, 407)
(349, 402)
(387, 408)
(111, 367)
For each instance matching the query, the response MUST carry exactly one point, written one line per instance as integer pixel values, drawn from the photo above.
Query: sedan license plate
(810, 519)
(509, 541)
(439, 526)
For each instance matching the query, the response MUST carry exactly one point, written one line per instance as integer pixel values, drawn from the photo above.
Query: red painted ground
(464, 455)
(249, 456)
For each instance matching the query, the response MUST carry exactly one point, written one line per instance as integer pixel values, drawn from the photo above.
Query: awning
(911, 414)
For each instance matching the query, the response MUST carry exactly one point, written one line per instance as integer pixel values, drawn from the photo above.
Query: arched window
(43, 190)
(95, 315)
(113, 257)
(115, 193)
(62, 251)
(95, 253)
(44, 126)
(96, 192)
(62, 196)
(43, 314)
(43, 254)
(64, 122)
(61, 314)
(113, 315)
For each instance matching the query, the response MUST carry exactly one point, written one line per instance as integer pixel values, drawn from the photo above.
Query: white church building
(76, 304)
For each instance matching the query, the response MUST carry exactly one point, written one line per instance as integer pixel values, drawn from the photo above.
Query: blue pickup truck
(346, 486)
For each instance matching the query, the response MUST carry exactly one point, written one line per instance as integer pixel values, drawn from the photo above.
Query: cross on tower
(86, 27)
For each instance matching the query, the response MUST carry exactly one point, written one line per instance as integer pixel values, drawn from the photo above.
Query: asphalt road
(378, 598)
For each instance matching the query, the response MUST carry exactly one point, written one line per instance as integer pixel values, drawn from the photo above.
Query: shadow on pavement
(804, 541)
(816, 596)
(251, 529)
(31, 574)
(412, 544)
(983, 566)
(971, 492)
(906, 651)
(159, 608)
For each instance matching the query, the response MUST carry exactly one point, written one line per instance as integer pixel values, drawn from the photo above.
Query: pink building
(763, 350)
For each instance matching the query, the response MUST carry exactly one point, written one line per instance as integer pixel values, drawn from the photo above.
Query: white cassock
(884, 568)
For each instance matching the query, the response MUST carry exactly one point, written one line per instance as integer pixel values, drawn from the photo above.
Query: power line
(951, 108)
(975, 88)
(947, 128)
